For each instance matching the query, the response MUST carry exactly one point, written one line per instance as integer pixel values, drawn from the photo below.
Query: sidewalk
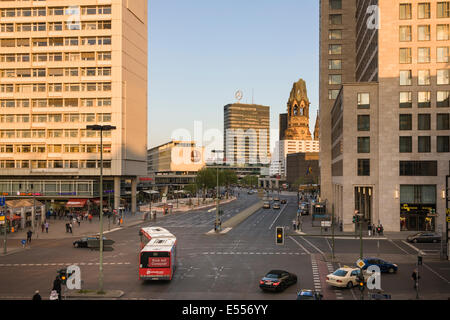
(57, 227)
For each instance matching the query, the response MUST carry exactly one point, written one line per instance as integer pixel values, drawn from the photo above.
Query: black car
(424, 237)
(83, 242)
(283, 201)
(309, 295)
(277, 280)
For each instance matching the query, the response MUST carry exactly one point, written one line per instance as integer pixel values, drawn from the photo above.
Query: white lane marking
(300, 245)
(285, 206)
(313, 246)
(437, 274)
(411, 246)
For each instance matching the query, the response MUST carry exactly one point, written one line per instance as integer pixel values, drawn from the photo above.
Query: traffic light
(355, 218)
(361, 285)
(62, 274)
(280, 235)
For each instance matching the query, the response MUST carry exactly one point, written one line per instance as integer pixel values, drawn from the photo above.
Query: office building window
(405, 144)
(405, 122)
(442, 99)
(335, 49)
(364, 122)
(363, 100)
(335, 19)
(442, 33)
(405, 99)
(418, 168)
(363, 167)
(335, 34)
(443, 144)
(405, 11)
(423, 55)
(405, 33)
(332, 94)
(335, 79)
(405, 55)
(424, 144)
(442, 121)
(424, 121)
(335, 64)
(405, 77)
(423, 11)
(424, 78)
(335, 4)
(363, 144)
(443, 76)
(423, 33)
(443, 9)
(442, 54)
(424, 99)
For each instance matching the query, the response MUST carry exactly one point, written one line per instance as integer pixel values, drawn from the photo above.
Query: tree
(250, 181)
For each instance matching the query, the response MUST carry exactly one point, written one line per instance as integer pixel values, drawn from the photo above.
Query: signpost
(3, 222)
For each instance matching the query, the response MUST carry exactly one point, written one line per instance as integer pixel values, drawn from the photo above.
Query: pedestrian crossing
(337, 292)
(316, 275)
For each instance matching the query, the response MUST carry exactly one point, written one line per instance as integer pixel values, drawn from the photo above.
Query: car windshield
(340, 273)
(273, 275)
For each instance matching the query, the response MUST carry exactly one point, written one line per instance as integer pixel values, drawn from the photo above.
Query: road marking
(313, 246)
(285, 206)
(411, 246)
(300, 245)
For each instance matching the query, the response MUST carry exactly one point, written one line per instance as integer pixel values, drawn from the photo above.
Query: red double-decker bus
(157, 258)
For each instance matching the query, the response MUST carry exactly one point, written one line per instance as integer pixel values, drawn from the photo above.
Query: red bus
(157, 258)
(150, 233)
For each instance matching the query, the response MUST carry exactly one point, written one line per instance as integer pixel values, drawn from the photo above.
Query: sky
(202, 51)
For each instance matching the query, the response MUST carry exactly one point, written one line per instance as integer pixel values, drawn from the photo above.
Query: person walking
(70, 227)
(369, 227)
(57, 286)
(79, 220)
(90, 218)
(415, 277)
(36, 296)
(381, 229)
(43, 227)
(29, 234)
(46, 226)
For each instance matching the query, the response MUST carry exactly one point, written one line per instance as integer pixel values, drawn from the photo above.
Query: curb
(92, 294)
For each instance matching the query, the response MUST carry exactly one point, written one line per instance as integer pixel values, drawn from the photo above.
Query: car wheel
(391, 270)
(415, 240)
(76, 245)
(349, 284)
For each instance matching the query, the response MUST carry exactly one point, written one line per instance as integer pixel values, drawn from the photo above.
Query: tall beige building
(387, 128)
(65, 65)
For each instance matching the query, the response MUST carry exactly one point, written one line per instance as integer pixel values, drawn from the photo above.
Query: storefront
(418, 208)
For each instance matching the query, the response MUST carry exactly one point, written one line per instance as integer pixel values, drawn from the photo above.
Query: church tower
(298, 113)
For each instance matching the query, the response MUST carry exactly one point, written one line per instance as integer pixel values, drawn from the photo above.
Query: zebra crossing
(316, 275)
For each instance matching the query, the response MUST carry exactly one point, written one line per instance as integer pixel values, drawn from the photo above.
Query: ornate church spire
(298, 113)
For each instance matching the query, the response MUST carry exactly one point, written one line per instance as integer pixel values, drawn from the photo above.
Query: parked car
(276, 199)
(266, 205)
(424, 237)
(345, 277)
(309, 295)
(276, 205)
(277, 280)
(383, 265)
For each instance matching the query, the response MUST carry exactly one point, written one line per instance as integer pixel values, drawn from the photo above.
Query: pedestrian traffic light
(280, 235)
(62, 273)
(355, 219)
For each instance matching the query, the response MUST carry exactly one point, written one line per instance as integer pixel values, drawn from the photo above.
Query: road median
(240, 217)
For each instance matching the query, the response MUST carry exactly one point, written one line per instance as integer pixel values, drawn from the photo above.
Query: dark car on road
(383, 265)
(277, 280)
(83, 242)
(283, 201)
(424, 237)
(309, 295)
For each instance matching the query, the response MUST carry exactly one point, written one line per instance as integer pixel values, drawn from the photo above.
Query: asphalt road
(223, 267)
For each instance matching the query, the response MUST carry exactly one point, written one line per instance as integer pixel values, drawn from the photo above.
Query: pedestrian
(374, 229)
(90, 218)
(42, 226)
(57, 286)
(70, 227)
(294, 225)
(37, 296)
(381, 229)
(29, 234)
(46, 227)
(369, 227)
(415, 277)
(79, 220)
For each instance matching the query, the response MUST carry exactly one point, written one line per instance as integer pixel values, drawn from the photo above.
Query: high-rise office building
(65, 65)
(247, 134)
(385, 128)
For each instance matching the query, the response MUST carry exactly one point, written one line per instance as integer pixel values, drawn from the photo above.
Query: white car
(345, 277)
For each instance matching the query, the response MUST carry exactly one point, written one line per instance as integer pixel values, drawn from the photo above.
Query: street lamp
(217, 192)
(101, 129)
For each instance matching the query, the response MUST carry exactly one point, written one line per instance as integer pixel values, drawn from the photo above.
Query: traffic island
(93, 294)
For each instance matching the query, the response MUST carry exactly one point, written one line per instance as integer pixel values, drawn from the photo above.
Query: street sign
(2, 219)
(325, 223)
(2, 201)
(360, 263)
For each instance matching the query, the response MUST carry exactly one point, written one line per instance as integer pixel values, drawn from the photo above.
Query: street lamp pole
(101, 129)
(217, 193)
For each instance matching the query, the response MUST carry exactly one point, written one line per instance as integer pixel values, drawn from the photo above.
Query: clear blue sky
(202, 51)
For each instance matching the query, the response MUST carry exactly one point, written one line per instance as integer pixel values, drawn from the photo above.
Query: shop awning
(97, 201)
(76, 203)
